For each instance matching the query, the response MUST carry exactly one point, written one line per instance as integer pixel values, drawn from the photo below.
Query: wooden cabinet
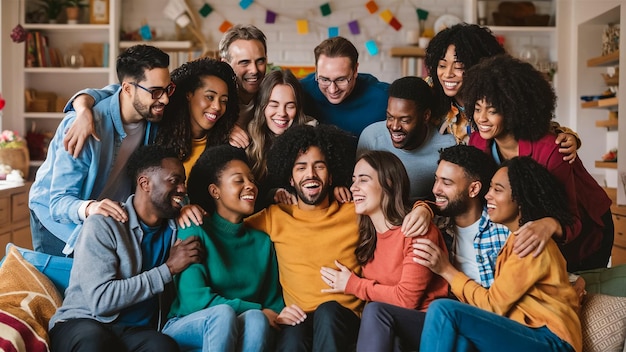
(619, 243)
(14, 217)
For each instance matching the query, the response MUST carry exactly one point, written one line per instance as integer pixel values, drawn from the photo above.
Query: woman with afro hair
(512, 105)
(531, 305)
(449, 55)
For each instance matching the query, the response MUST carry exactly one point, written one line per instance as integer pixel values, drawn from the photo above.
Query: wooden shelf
(605, 60)
(611, 123)
(522, 29)
(606, 164)
(601, 103)
(407, 51)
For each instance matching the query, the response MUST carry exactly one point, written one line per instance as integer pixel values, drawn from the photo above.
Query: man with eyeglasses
(69, 189)
(337, 94)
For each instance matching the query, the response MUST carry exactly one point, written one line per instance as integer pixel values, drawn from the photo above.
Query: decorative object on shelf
(52, 9)
(72, 10)
(611, 155)
(445, 21)
(610, 39)
(13, 152)
(18, 33)
(520, 13)
(529, 54)
(482, 12)
(73, 59)
(180, 12)
(99, 11)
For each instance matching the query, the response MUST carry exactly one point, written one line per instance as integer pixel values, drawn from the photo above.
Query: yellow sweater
(197, 147)
(306, 240)
(532, 291)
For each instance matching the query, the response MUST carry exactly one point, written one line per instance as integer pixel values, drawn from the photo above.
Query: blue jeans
(218, 328)
(456, 326)
(43, 240)
(386, 327)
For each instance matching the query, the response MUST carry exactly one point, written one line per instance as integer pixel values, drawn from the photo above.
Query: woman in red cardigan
(512, 108)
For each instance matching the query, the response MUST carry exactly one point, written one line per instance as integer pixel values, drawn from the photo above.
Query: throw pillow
(603, 320)
(28, 299)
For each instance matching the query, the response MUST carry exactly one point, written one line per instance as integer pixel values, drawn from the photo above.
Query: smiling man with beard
(409, 134)
(69, 189)
(461, 182)
(116, 297)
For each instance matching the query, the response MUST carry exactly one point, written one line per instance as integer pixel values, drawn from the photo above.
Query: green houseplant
(52, 9)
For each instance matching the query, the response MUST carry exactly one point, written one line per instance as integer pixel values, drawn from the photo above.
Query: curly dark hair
(414, 89)
(338, 146)
(477, 165)
(207, 170)
(517, 91)
(395, 204)
(147, 157)
(471, 43)
(175, 128)
(537, 192)
(134, 61)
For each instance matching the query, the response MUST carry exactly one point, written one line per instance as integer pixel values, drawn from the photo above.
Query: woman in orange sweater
(531, 305)
(390, 279)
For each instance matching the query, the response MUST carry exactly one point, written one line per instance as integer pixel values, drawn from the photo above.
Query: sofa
(32, 286)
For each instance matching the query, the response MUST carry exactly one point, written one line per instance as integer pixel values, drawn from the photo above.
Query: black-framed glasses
(157, 92)
(341, 82)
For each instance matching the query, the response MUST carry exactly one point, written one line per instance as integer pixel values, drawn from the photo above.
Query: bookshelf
(45, 82)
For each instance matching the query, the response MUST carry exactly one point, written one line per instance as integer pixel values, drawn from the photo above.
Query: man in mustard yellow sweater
(313, 233)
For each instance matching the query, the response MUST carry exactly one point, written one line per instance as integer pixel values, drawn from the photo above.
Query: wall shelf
(611, 123)
(605, 60)
(601, 103)
(606, 164)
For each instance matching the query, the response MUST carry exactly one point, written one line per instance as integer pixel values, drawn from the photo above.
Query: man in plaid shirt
(461, 182)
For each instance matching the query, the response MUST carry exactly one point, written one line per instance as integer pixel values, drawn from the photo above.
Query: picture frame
(99, 11)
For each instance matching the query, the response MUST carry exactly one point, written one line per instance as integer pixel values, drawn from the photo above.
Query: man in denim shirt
(68, 189)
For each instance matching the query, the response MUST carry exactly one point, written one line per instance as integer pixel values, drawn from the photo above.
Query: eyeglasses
(341, 82)
(157, 93)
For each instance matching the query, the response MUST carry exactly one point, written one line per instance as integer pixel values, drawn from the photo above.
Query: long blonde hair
(261, 137)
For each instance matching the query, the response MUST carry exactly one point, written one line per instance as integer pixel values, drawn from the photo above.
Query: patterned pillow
(603, 320)
(27, 299)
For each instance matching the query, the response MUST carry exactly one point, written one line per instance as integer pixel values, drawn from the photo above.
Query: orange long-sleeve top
(307, 240)
(532, 291)
(393, 277)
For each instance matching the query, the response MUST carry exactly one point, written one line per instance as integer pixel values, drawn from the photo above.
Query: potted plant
(72, 9)
(52, 9)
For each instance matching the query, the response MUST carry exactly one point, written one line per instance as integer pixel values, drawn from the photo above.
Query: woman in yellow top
(531, 305)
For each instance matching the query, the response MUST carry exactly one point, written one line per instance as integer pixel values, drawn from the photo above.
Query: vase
(16, 158)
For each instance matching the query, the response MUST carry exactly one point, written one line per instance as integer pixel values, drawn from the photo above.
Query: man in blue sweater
(337, 94)
(116, 299)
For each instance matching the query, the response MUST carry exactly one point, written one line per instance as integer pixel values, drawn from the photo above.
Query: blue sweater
(366, 104)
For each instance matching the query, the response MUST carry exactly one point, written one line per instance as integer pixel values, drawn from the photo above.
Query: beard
(456, 206)
(313, 200)
(146, 111)
(163, 205)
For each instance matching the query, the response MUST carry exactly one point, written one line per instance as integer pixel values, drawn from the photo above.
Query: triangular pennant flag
(333, 32)
(205, 10)
(371, 47)
(371, 6)
(354, 27)
(386, 15)
(395, 23)
(225, 26)
(270, 16)
(325, 9)
(245, 3)
(303, 26)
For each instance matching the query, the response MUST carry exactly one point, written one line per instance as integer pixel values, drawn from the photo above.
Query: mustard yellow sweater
(306, 240)
(532, 291)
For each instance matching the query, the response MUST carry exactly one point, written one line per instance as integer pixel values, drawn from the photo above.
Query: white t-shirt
(465, 254)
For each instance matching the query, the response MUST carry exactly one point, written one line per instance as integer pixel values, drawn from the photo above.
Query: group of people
(223, 207)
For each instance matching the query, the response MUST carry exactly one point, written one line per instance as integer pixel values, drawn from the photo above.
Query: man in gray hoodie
(116, 296)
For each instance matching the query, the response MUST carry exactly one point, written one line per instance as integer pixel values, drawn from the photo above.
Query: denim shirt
(63, 182)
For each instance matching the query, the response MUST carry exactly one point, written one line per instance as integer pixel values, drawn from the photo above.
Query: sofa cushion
(603, 320)
(57, 269)
(28, 300)
(608, 281)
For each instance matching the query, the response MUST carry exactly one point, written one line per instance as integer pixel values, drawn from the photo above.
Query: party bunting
(205, 10)
(270, 16)
(325, 9)
(354, 27)
(245, 3)
(225, 26)
(303, 26)
(371, 6)
(386, 15)
(333, 32)
(395, 23)
(371, 47)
